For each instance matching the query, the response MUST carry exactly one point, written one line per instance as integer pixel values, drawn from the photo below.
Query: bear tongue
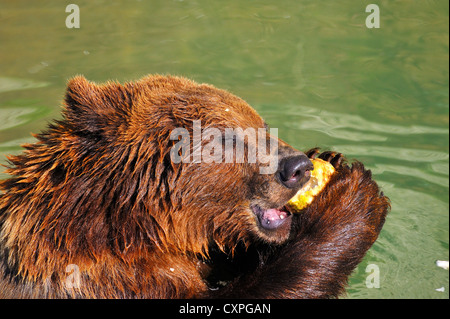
(274, 214)
(272, 218)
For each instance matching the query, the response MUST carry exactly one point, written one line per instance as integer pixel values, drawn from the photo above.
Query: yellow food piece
(319, 178)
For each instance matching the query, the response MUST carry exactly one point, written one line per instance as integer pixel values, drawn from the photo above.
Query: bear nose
(295, 170)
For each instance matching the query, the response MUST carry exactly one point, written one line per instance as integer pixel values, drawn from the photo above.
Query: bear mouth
(271, 218)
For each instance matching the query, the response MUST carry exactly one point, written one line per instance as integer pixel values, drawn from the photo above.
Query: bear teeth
(270, 218)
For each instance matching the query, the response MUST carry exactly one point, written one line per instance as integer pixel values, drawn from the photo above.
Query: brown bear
(99, 208)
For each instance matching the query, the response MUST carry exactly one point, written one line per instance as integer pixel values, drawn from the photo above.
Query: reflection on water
(412, 172)
(315, 119)
(12, 117)
(314, 72)
(11, 84)
(14, 144)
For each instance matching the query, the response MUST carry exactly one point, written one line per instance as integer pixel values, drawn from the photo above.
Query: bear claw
(334, 158)
(312, 153)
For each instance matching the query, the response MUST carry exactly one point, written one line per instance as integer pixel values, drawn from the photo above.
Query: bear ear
(96, 107)
(81, 94)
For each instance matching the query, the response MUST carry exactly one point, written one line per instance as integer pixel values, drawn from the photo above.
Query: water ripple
(411, 171)
(11, 84)
(398, 153)
(12, 117)
(343, 126)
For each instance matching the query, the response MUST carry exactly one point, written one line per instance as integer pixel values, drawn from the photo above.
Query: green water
(311, 68)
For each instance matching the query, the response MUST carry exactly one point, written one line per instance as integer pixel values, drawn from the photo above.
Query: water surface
(312, 69)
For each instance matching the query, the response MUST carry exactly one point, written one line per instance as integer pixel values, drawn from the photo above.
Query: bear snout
(294, 171)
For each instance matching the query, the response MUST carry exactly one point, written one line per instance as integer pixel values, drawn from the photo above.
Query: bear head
(169, 163)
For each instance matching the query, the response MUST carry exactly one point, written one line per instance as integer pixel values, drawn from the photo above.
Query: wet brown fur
(98, 190)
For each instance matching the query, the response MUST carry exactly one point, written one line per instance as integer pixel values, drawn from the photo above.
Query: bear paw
(334, 158)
